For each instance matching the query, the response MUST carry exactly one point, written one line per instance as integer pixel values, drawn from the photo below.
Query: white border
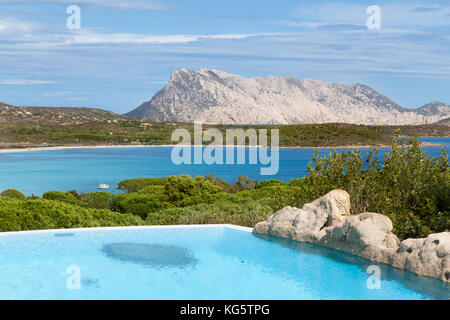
(68, 230)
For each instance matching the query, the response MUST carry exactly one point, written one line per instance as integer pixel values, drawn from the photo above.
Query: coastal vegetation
(56, 115)
(133, 132)
(34, 214)
(409, 186)
(13, 193)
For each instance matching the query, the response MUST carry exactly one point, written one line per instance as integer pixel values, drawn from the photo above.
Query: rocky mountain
(444, 122)
(217, 97)
(58, 115)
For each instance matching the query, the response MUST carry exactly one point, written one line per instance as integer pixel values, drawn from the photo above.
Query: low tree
(13, 193)
(244, 183)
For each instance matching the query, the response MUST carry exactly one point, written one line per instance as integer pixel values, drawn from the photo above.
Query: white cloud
(22, 34)
(12, 25)
(88, 37)
(76, 99)
(339, 45)
(23, 82)
(57, 94)
(393, 15)
(113, 4)
(17, 33)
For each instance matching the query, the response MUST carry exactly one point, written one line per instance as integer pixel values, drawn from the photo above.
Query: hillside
(217, 97)
(133, 132)
(443, 122)
(58, 116)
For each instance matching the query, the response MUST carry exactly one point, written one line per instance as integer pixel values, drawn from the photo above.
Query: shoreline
(55, 148)
(423, 144)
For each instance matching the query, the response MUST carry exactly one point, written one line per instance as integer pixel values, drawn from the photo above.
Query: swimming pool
(189, 262)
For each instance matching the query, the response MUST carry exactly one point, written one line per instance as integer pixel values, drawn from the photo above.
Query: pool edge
(187, 226)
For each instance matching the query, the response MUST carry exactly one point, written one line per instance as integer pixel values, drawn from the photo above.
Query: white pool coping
(187, 226)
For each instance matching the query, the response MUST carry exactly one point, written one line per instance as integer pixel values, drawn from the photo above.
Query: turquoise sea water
(83, 169)
(212, 262)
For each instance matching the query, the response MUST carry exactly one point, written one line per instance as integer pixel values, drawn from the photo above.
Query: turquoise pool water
(83, 169)
(208, 262)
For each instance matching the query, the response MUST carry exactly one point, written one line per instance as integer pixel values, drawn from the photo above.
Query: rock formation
(217, 97)
(327, 222)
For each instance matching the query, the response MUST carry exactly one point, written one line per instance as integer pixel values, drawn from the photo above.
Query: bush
(244, 183)
(13, 193)
(270, 183)
(134, 185)
(235, 210)
(183, 186)
(98, 200)
(137, 204)
(16, 215)
(63, 197)
(157, 190)
(410, 187)
(278, 197)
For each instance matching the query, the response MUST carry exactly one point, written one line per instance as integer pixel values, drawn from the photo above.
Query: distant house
(146, 124)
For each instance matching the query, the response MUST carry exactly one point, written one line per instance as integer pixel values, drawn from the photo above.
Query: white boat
(103, 186)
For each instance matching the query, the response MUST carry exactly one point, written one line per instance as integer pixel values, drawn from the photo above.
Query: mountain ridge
(217, 97)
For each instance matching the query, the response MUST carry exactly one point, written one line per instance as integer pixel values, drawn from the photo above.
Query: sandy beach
(30, 149)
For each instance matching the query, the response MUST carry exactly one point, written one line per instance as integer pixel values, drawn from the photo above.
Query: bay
(37, 172)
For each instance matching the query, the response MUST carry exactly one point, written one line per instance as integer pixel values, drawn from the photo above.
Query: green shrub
(157, 190)
(410, 187)
(62, 197)
(270, 183)
(137, 204)
(279, 196)
(184, 186)
(17, 215)
(134, 185)
(98, 200)
(239, 211)
(13, 193)
(244, 183)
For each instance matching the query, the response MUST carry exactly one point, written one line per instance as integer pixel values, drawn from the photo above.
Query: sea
(36, 172)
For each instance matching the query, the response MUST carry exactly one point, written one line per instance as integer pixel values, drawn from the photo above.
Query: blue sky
(126, 50)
